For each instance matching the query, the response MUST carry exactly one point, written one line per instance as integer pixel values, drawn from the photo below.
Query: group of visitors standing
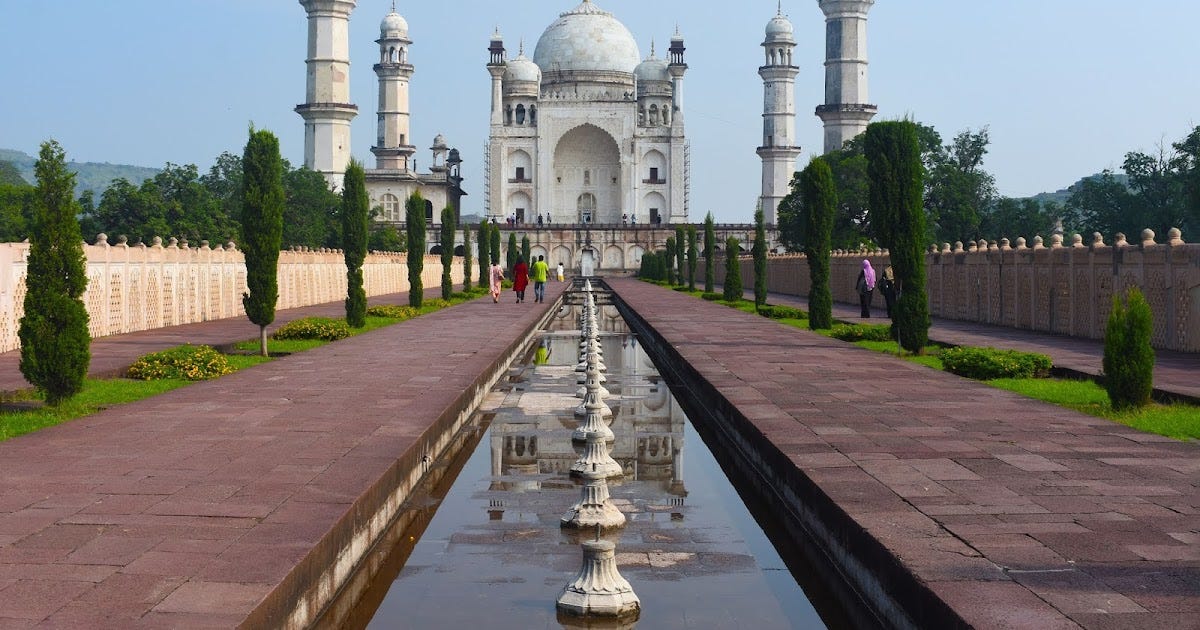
(867, 283)
(539, 273)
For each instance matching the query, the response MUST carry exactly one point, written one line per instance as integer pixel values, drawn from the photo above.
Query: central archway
(587, 162)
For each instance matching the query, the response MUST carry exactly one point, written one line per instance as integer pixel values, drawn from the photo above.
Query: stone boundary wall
(1059, 289)
(141, 288)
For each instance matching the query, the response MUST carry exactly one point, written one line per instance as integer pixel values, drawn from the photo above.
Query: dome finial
(651, 47)
(394, 5)
(521, 46)
(780, 10)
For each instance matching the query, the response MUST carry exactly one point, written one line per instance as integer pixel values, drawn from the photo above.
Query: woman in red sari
(520, 279)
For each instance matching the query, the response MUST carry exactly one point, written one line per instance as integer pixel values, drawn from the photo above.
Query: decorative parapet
(142, 287)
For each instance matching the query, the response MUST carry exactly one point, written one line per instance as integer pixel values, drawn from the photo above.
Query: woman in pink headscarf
(865, 285)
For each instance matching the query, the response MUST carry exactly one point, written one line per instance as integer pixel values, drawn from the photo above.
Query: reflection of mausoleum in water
(533, 447)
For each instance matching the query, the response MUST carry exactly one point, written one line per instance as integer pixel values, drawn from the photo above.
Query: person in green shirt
(539, 273)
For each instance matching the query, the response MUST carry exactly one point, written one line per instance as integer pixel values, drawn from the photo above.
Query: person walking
(887, 286)
(496, 281)
(561, 272)
(865, 285)
(539, 273)
(520, 278)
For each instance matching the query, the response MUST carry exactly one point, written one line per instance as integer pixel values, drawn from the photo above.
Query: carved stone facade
(141, 288)
(1061, 290)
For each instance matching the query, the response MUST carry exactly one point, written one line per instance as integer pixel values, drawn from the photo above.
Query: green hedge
(781, 312)
(985, 364)
(187, 362)
(393, 311)
(322, 328)
(712, 297)
(862, 332)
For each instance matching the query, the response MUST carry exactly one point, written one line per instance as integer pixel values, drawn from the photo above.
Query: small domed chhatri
(393, 25)
(523, 69)
(652, 69)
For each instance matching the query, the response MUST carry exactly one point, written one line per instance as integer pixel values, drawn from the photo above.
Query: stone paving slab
(1014, 512)
(1174, 372)
(188, 509)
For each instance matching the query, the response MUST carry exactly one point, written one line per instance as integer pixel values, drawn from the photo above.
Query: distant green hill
(94, 176)
(1062, 195)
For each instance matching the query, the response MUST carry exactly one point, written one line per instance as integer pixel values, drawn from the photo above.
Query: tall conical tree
(691, 257)
(494, 243)
(526, 249)
(819, 195)
(414, 218)
(448, 230)
(710, 244)
(733, 270)
(670, 259)
(510, 256)
(760, 260)
(896, 193)
(467, 262)
(262, 228)
(484, 246)
(54, 329)
(680, 254)
(355, 217)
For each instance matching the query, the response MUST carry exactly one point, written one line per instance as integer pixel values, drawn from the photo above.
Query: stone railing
(1059, 288)
(142, 287)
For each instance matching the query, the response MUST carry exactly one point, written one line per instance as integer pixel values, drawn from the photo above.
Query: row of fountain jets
(598, 590)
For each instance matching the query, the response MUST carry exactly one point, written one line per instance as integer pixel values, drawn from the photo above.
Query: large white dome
(587, 39)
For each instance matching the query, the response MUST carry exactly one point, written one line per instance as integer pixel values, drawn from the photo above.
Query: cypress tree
(55, 350)
(494, 243)
(414, 218)
(691, 257)
(448, 230)
(819, 199)
(467, 262)
(760, 260)
(733, 271)
(710, 244)
(262, 228)
(355, 212)
(680, 254)
(525, 249)
(1128, 355)
(669, 259)
(484, 239)
(510, 256)
(896, 194)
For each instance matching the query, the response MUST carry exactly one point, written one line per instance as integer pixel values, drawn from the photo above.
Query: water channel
(489, 550)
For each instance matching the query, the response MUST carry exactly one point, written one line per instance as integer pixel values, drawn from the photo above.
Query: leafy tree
(710, 244)
(1159, 199)
(16, 206)
(54, 330)
(691, 257)
(387, 238)
(262, 228)
(448, 230)
(1011, 218)
(670, 259)
(1128, 356)
(494, 243)
(10, 175)
(414, 218)
(484, 255)
(1187, 161)
(894, 160)
(958, 190)
(760, 260)
(733, 271)
(355, 211)
(681, 253)
(510, 256)
(467, 262)
(820, 199)
(1103, 204)
(310, 216)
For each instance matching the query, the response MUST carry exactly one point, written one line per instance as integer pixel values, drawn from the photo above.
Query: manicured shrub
(691, 257)
(449, 229)
(414, 225)
(712, 297)
(484, 254)
(467, 257)
(760, 260)
(733, 270)
(774, 311)
(681, 288)
(710, 245)
(186, 363)
(985, 364)
(862, 332)
(1128, 355)
(321, 328)
(393, 311)
(355, 227)
(819, 195)
(437, 303)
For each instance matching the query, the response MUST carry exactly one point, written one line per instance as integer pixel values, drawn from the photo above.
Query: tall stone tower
(393, 147)
(778, 150)
(845, 112)
(327, 110)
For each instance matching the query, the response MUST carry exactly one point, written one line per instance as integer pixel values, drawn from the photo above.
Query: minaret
(845, 113)
(496, 66)
(676, 68)
(393, 149)
(327, 111)
(778, 150)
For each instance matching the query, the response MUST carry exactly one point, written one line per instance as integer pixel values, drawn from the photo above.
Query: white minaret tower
(845, 113)
(778, 150)
(327, 110)
(393, 149)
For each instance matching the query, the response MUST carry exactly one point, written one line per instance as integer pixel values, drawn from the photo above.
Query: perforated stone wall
(1063, 290)
(139, 288)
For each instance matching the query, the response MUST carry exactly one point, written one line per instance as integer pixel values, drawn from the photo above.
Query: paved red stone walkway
(1014, 512)
(188, 509)
(1174, 372)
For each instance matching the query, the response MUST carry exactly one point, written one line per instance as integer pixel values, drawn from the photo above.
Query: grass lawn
(1178, 421)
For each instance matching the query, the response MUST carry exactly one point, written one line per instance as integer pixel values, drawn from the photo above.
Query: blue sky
(1066, 86)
